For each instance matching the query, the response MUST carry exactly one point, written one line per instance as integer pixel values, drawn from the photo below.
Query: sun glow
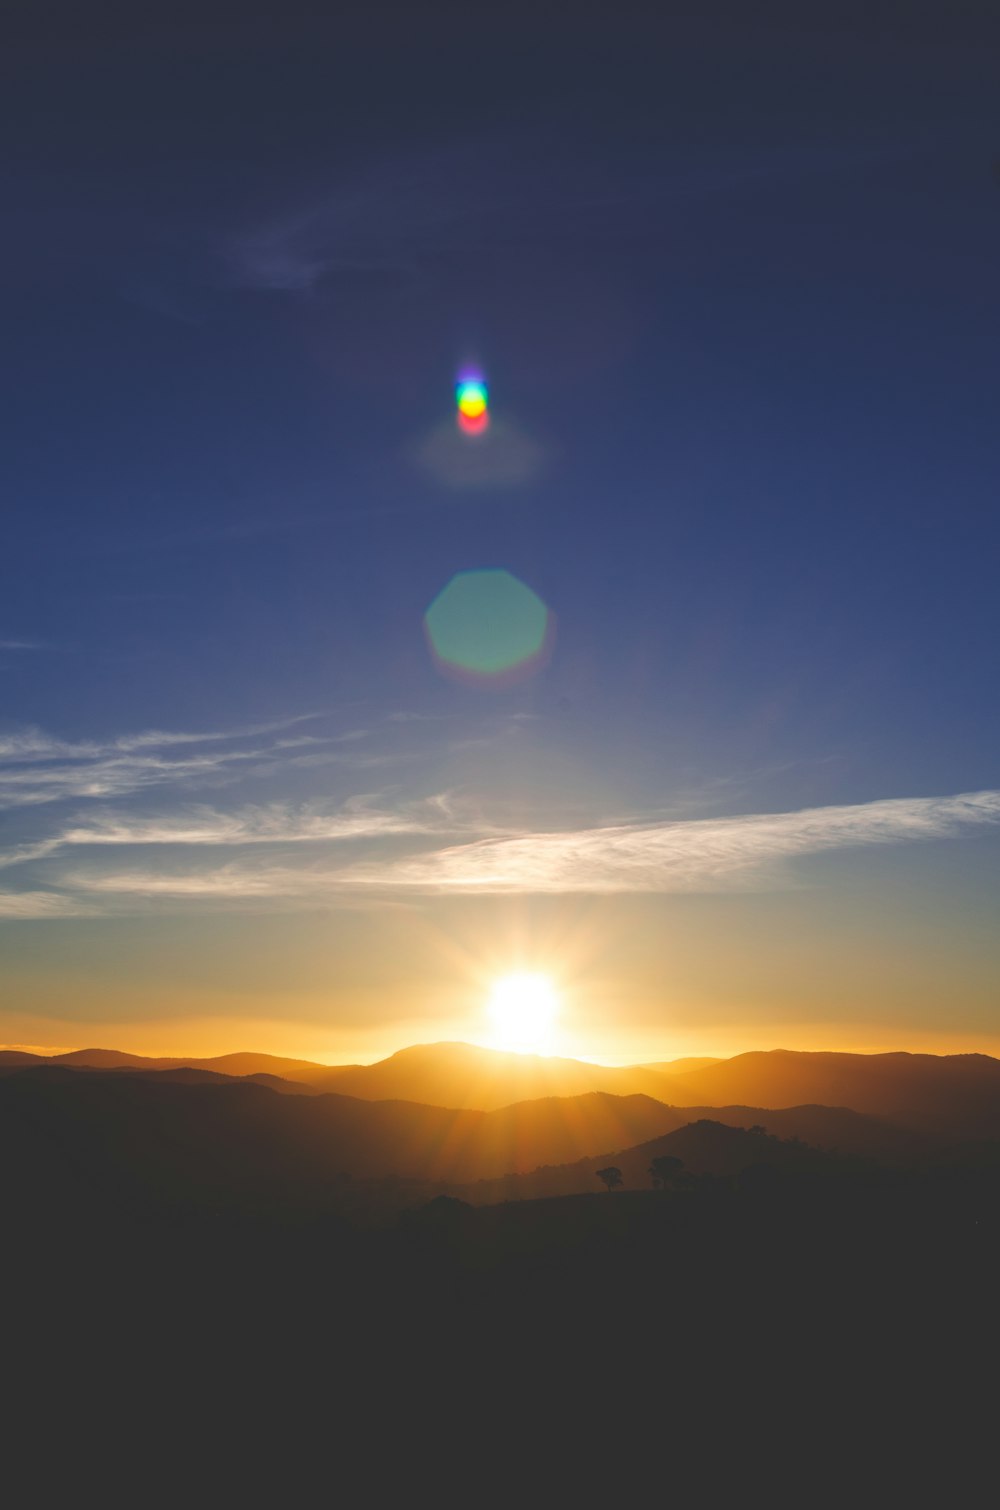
(522, 1010)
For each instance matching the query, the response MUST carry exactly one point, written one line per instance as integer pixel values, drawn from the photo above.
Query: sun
(522, 1010)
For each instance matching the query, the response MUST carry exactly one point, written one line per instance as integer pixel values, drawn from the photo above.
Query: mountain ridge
(921, 1091)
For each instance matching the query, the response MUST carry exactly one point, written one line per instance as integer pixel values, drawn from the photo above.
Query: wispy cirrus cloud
(31, 744)
(271, 823)
(22, 645)
(25, 905)
(694, 855)
(37, 768)
(365, 817)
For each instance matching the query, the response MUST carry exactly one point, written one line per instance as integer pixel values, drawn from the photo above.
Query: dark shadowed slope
(724, 1141)
(191, 1137)
(190, 1123)
(702, 1147)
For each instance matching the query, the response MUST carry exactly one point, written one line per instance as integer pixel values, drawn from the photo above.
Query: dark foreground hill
(708, 1147)
(135, 1144)
(177, 1261)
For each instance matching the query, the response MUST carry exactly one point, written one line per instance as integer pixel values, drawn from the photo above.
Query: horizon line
(48, 1052)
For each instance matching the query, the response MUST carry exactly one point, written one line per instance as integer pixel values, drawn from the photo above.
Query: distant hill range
(458, 1075)
(193, 1137)
(956, 1094)
(161, 1115)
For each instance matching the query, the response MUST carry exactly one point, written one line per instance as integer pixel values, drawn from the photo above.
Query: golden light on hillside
(522, 1010)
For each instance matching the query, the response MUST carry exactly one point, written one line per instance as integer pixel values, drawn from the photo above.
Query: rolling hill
(458, 1075)
(193, 1136)
(193, 1125)
(295, 1071)
(957, 1093)
(943, 1095)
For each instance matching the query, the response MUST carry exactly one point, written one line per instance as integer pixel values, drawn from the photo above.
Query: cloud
(716, 854)
(272, 823)
(23, 854)
(693, 855)
(225, 881)
(37, 768)
(33, 744)
(41, 904)
(21, 645)
(360, 818)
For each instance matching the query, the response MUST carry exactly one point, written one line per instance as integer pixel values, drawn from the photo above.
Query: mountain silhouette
(940, 1095)
(959, 1093)
(457, 1075)
(194, 1136)
(193, 1125)
(295, 1071)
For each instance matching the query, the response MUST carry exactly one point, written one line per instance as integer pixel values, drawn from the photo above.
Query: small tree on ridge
(664, 1170)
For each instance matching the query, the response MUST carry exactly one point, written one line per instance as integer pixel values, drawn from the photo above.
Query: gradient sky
(732, 279)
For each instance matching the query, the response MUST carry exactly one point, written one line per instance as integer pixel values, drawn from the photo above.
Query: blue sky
(733, 286)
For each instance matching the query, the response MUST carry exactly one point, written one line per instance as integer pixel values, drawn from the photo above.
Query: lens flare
(488, 627)
(472, 400)
(473, 424)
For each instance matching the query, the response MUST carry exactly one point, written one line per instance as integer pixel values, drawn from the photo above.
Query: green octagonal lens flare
(487, 625)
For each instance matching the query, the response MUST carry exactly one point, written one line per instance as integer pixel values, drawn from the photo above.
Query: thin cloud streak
(273, 823)
(360, 818)
(30, 745)
(25, 905)
(36, 768)
(117, 777)
(695, 855)
(678, 856)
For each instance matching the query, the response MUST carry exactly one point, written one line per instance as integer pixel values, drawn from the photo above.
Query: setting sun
(522, 1010)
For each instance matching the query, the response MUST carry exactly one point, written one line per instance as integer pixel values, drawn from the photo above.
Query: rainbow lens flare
(472, 399)
(488, 627)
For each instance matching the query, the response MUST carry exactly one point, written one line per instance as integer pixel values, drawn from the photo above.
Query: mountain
(705, 1146)
(196, 1139)
(194, 1125)
(956, 1095)
(959, 1093)
(465, 1076)
(297, 1072)
(679, 1066)
(458, 1075)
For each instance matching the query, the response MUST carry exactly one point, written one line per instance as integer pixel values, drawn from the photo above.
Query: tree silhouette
(612, 1176)
(664, 1170)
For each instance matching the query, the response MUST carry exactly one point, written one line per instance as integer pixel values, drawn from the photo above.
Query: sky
(678, 684)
